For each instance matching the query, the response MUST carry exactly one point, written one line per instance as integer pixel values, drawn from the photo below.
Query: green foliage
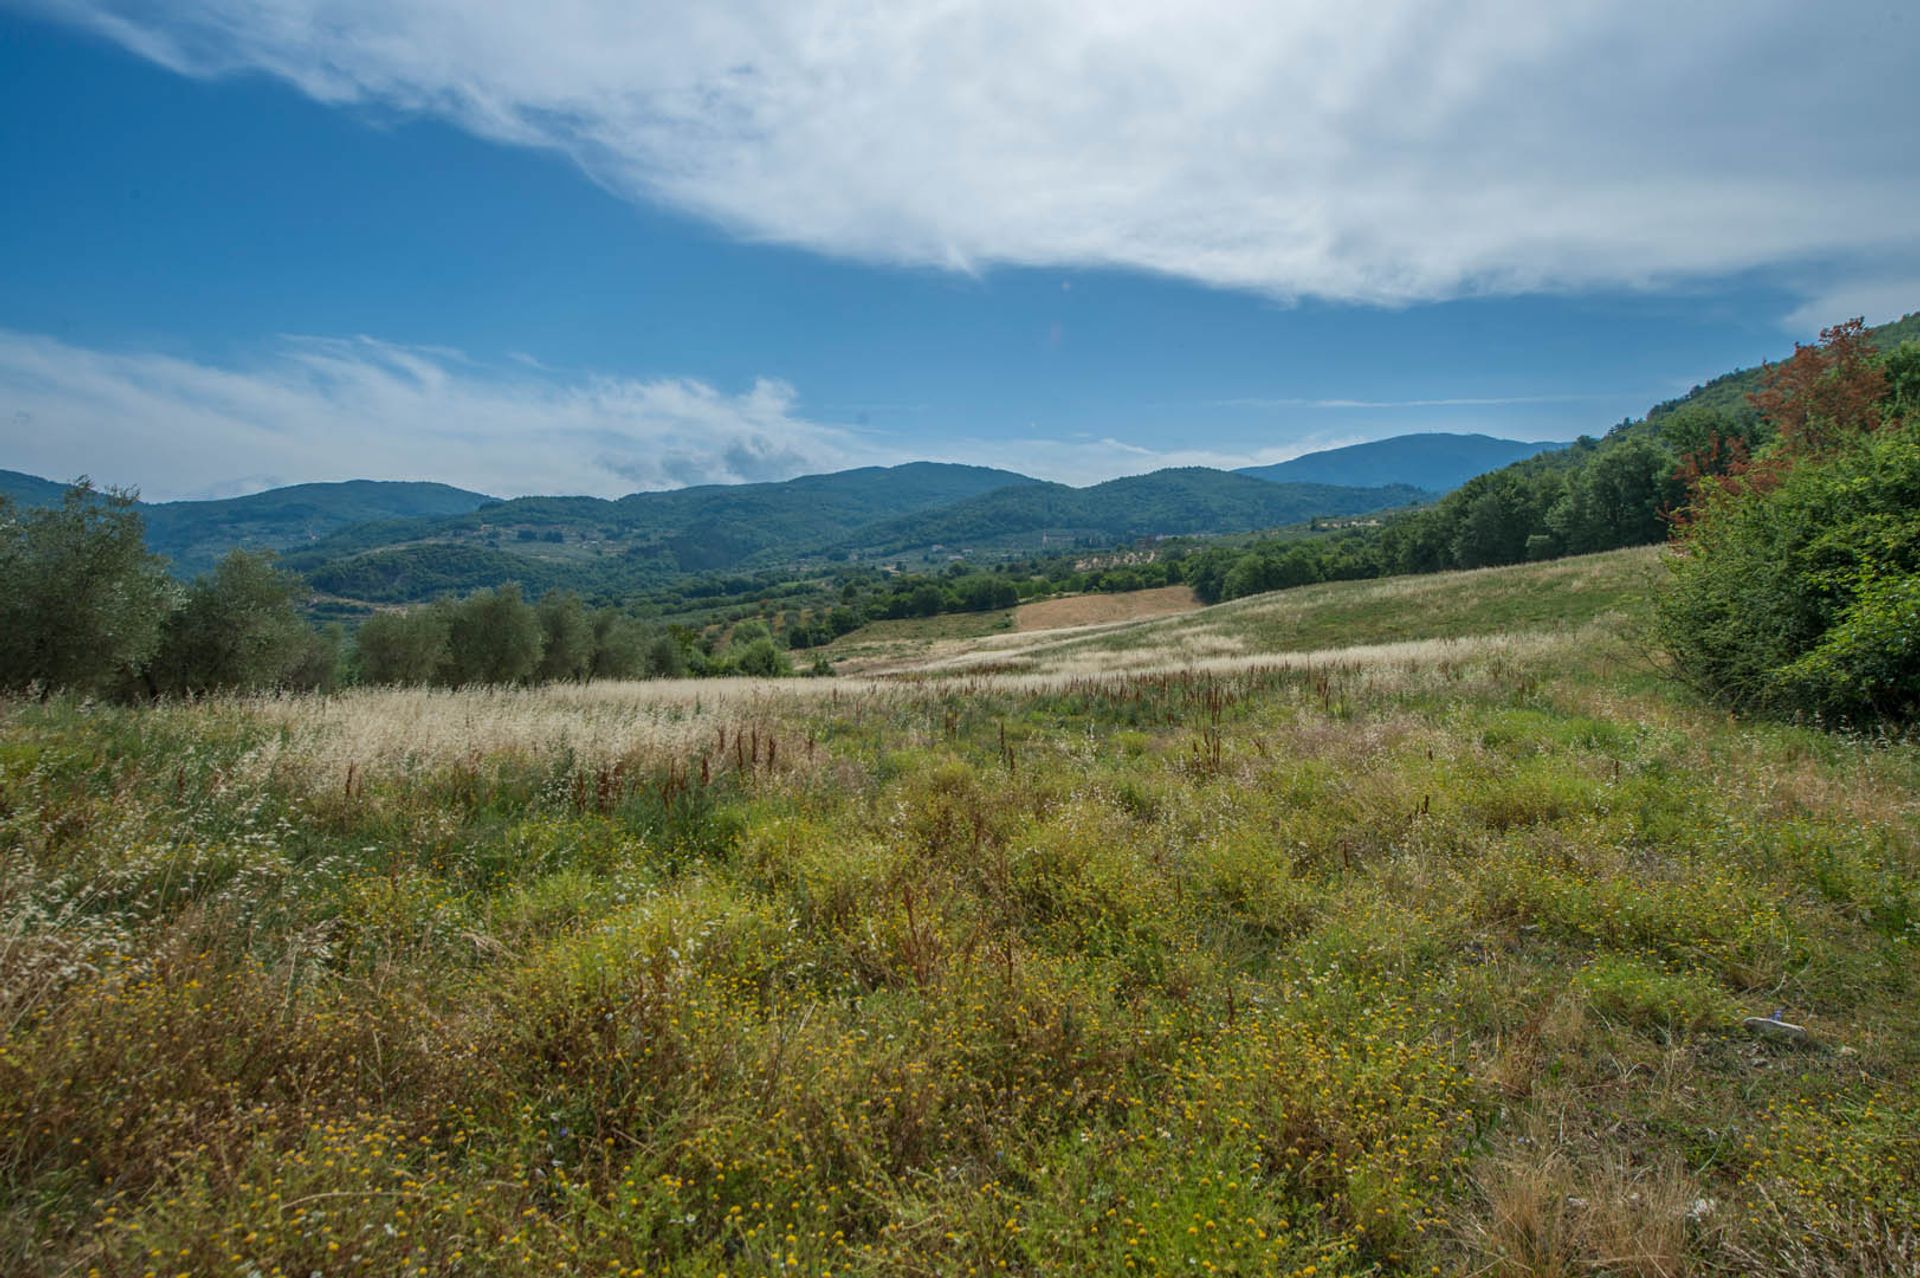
(567, 640)
(1362, 968)
(619, 646)
(238, 627)
(401, 647)
(82, 600)
(751, 651)
(1649, 997)
(493, 637)
(1801, 599)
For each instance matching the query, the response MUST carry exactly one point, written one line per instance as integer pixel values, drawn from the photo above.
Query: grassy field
(1394, 927)
(895, 640)
(1081, 610)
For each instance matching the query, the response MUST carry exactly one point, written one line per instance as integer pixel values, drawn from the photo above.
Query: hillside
(1164, 503)
(1728, 392)
(637, 541)
(193, 535)
(925, 510)
(1433, 461)
(29, 490)
(1216, 944)
(1531, 599)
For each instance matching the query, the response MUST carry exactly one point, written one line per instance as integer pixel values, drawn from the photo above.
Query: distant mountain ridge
(193, 535)
(1163, 503)
(1434, 461)
(384, 542)
(922, 509)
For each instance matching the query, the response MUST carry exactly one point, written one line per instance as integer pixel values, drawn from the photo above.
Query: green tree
(493, 637)
(1902, 368)
(1495, 524)
(567, 639)
(406, 647)
(82, 600)
(619, 646)
(759, 657)
(239, 627)
(322, 663)
(666, 657)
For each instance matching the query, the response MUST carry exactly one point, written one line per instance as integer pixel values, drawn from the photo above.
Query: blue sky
(556, 248)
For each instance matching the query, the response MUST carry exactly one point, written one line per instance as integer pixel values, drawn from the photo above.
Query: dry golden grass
(397, 729)
(1082, 610)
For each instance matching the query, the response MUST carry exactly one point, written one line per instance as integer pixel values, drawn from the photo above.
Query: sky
(600, 246)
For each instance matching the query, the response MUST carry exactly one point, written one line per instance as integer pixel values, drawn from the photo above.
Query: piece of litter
(1775, 1028)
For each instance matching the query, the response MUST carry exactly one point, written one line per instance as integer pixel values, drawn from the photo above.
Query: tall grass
(1429, 956)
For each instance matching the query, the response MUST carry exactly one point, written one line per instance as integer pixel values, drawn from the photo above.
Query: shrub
(1803, 600)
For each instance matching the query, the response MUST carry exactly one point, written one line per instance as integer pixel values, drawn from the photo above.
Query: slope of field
(1431, 955)
(1082, 610)
(1522, 600)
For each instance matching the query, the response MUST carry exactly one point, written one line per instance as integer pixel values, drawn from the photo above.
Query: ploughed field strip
(1203, 944)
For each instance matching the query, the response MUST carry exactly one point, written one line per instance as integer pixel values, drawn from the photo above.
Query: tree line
(968, 588)
(86, 607)
(1624, 489)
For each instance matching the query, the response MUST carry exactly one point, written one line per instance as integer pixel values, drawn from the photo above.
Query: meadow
(1393, 927)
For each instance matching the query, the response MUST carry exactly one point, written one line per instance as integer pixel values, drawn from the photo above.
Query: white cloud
(332, 408)
(324, 409)
(1877, 299)
(1387, 151)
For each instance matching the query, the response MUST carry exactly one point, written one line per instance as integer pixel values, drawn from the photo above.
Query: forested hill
(1597, 494)
(611, 548)
(1165, 502)
(1728, 392)
(700, 529)
(29, 490)
(1434, 461)
(193, 535)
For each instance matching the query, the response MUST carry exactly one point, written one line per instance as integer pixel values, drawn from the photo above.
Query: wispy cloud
(1385, 152)
(1886, 294)
(318, 408)
(327, 408)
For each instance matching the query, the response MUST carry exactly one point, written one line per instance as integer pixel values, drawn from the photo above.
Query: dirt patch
(1088, 610)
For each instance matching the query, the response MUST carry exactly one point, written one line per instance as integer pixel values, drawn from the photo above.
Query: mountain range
(1432, 461)
(381, 542)
(193, 535)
